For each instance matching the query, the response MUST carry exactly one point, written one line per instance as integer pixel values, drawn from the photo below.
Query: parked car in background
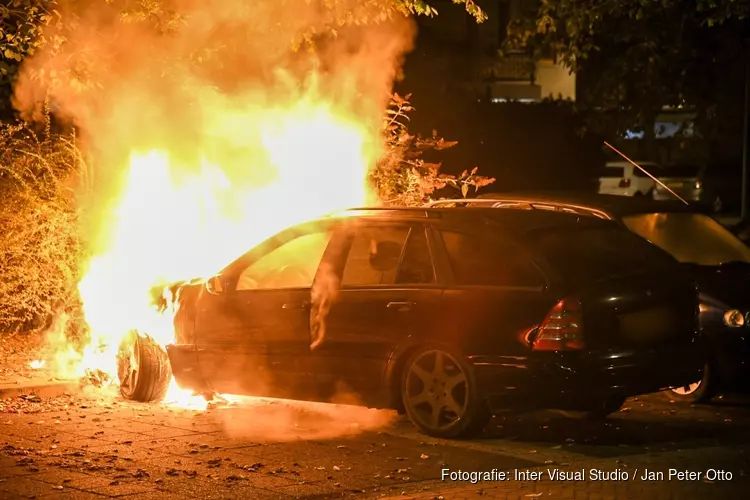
(711, 254)
(684, 180)
(708, 189)
(447, 315)
(624, 179)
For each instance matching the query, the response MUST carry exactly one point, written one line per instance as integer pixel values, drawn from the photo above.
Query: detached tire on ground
(143, 368)
(440, 394)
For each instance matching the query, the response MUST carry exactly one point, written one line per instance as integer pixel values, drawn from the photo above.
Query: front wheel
(143, 368)
(700, 391)
(440, 395)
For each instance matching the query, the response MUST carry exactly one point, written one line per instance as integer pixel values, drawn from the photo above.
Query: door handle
(298, 305)
(400, 306)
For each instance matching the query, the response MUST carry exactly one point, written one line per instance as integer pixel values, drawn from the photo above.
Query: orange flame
(225, 137)
(172, 224)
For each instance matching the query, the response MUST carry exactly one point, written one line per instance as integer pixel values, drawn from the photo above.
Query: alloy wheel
(436, 390)
(688, 389)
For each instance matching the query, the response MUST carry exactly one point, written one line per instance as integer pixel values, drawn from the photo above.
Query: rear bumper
(580, 380)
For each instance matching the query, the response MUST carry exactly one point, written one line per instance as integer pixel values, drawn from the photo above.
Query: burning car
(449, 316)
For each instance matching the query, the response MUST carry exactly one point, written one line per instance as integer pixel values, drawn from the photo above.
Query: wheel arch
(397, 362)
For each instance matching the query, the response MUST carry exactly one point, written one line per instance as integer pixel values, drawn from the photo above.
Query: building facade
(485, 70)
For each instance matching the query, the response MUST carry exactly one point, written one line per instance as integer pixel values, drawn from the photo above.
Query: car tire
(143, 368)
(440, 394)
(699, 392)
(605, 408)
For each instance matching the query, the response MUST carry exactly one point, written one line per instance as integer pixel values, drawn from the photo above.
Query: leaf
(465, 190)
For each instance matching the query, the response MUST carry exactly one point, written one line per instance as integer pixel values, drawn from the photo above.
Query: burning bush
(40, 245)
(401, 176)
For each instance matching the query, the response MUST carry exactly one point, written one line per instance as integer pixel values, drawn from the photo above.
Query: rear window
(617, 172)
(589, 253)
(484, 260)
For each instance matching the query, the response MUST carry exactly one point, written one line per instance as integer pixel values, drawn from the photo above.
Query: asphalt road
(100, 446)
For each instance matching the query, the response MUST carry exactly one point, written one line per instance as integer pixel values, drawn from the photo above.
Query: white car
(624, 179)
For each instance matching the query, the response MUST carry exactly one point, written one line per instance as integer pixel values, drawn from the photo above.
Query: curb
(41, 389)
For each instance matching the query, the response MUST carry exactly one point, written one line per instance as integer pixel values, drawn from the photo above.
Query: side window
(374, 256)
(614, 172)
(292, 265)
(478, 260)
(416, 266)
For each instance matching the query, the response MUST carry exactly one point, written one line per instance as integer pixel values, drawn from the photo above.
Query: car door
(388, 293)
(495, 294)
(253, 338)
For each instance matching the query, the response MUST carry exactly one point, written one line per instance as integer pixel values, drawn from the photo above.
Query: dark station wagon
(709, 253)
(447, 315)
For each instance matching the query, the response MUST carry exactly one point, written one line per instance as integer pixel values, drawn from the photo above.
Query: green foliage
(420, 7)
(22, 25)
(402, 177)
(636, 56)
(40, 244)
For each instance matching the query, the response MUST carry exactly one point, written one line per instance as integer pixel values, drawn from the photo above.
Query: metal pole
(659, 182)
(745, 140)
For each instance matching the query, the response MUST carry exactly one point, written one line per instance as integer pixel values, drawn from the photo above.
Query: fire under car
(449, 316)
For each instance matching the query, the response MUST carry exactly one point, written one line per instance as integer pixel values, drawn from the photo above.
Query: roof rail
(477, 201)
(523, 204)
(385, 212)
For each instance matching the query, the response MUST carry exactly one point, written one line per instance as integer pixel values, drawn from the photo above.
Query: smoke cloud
(195, 76)
(209, 82)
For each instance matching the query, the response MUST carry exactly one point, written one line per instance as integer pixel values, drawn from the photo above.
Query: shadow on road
(650, 427)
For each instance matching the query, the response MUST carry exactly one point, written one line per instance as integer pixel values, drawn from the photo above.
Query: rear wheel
(440, 395)
(700, 391)
(143, 368)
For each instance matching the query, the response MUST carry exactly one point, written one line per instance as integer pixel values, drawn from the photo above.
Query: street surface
(99, 446)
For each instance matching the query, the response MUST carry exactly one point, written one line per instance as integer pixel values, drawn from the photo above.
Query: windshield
(689, 237)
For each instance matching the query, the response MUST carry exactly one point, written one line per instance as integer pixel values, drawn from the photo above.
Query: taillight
(625, 183)
(562, 329)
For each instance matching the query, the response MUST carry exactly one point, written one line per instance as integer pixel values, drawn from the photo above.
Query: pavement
(64, 440)
(95, 445)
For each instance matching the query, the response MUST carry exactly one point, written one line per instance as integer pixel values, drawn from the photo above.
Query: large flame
(211, 132)
(174, 223)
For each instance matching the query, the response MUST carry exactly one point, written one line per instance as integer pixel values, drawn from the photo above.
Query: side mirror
(384, 255)
(215, 285)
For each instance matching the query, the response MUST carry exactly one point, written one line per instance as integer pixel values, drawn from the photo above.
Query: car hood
(729, 283)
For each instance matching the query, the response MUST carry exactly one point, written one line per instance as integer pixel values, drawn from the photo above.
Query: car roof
(613, 205)
(516, 221)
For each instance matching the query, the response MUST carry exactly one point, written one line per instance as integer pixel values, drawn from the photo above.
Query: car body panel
(258, 341)
(622, 178)
(729, 347)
